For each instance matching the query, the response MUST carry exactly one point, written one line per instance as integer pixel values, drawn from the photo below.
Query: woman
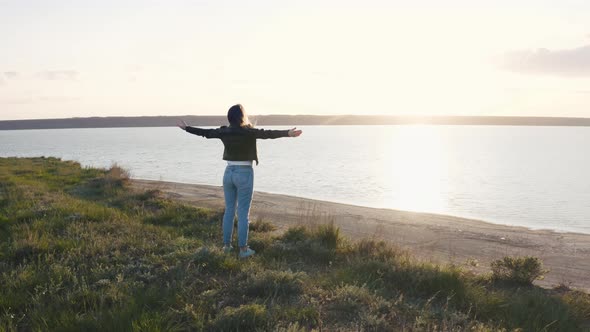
(239, 141)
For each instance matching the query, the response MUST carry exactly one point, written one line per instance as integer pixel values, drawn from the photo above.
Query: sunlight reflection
(415, 164)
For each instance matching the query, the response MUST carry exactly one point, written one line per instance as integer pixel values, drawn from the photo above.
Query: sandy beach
(438, 238)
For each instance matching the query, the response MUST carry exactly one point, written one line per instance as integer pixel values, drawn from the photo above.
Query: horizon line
(306, 115)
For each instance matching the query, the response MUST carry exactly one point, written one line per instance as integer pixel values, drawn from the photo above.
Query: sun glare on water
(415, 164)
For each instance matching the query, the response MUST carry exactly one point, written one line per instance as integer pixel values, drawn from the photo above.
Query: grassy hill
(80, 251)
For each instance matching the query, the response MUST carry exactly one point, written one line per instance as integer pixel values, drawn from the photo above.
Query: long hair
(237, 117)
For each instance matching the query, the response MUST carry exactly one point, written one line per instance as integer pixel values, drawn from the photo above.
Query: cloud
(10, 74)
(570, 62)
(54, 75)
(57, 99)
(7, 75)
(16, 101)
(35, 100)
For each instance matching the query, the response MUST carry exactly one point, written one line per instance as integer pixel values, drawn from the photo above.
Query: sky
(73, 58)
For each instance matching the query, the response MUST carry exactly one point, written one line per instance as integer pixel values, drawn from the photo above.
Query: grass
(79, 250)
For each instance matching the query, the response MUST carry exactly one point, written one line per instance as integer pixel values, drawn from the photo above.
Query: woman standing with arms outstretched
(239, 141)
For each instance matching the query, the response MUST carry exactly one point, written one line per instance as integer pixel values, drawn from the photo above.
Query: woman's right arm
(207, 133)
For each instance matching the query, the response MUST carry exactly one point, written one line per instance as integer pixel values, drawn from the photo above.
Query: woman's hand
(294, 132)
(181, 124)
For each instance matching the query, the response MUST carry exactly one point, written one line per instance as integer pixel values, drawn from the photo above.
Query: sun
(417, 164)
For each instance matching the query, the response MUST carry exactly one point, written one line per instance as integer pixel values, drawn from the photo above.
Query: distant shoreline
(290, 120)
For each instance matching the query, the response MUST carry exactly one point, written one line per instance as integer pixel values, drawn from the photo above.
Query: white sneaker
(246, 253)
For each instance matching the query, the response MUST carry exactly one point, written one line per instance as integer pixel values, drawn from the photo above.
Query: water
(535, 177)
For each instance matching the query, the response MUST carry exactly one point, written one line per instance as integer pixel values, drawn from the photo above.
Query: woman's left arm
(266, 134)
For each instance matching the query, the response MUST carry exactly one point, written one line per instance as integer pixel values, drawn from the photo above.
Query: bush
(519, 270)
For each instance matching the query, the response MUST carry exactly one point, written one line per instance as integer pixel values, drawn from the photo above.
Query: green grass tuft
(247, 317)
(275, 284)
(360, 309)
(262, 226)
(328, 235)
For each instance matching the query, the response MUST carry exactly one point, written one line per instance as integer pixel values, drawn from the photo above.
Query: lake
(537, 177)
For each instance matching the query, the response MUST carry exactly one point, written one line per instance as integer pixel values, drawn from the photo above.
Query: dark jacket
(239, 142)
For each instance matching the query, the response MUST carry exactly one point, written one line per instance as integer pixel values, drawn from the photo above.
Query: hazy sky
(72, 58)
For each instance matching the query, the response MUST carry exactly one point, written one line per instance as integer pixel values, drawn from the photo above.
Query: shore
(432, 237)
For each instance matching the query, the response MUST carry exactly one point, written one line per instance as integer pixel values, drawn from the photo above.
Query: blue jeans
(238, 187)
